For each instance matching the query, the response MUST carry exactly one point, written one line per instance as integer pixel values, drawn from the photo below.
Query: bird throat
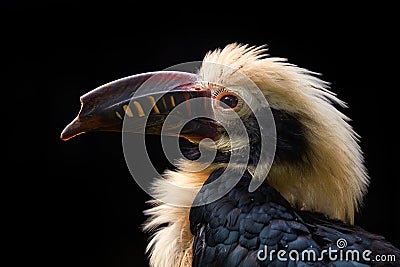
(291, 144)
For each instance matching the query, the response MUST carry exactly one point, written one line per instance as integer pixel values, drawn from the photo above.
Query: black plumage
(236, 229)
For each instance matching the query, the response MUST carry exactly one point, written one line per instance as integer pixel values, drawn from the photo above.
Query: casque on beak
(141, 104)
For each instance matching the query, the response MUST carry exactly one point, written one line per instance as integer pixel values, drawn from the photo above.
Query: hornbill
(312, 189)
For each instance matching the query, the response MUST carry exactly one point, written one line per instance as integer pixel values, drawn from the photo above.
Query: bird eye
(230, 100)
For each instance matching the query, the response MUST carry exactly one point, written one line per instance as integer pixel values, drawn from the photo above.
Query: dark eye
(229, 100)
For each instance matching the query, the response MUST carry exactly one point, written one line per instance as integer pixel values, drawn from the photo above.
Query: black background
(86, 205)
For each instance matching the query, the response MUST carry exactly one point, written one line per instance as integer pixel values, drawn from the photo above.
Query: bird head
(318, 164)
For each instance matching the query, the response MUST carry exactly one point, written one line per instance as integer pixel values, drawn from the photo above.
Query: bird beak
(141, 104)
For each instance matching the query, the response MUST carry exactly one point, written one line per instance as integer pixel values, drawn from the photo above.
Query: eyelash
(218, 91)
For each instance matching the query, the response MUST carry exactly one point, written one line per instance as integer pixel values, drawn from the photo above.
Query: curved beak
(142, 103)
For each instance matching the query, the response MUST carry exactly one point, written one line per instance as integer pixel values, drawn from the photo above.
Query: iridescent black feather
(233, 229)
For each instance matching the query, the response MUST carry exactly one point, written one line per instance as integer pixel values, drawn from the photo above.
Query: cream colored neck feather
(172, 244)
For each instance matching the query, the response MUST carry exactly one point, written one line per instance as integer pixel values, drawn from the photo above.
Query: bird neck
(307, 169)
(171, 242)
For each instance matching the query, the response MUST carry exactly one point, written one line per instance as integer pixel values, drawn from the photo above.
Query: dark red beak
(141, 104)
